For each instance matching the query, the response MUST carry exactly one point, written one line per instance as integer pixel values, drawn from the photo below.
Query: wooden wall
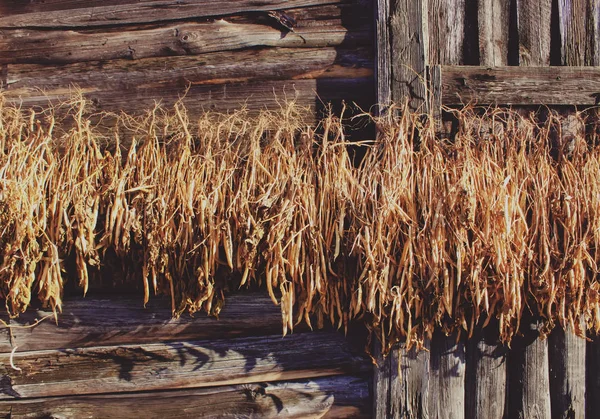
(125, 55)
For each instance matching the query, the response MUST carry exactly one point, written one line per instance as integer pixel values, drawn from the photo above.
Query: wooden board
(177, 365)
(410, 47)
(485, 383)
(115, 321)
(317, 27)
(494, 23)
(566, 353)
(534, 24)
(82, 13)
(342, 396)
(447, 377)
(521, 85)
(446, 31)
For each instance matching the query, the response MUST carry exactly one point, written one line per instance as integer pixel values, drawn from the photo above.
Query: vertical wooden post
(447, 382)
(383, 73)
(494, 22)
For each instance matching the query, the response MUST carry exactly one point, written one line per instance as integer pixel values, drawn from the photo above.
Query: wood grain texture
(177, 365)
(343, 396)
(27, 80)
(534, 24)
(383, 69)
(594, 32)
(446, 31)
(320, 27)
(382, 380)
(409, 52)
(573, 19)
(447, 377)
(485, 387)
(86, 14)
(410, 389)
(89, 322)
(494, 23)
(566, 353)
(528, 386)
(521, 85)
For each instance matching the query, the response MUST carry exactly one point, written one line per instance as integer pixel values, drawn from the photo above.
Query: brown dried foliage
(422, 233)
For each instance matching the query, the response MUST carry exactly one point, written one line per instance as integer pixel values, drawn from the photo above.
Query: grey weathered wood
(594, 32)
(566, 353)
(485, 387)
(592, 372)
(317, 27)
(494, 22)
(383, 69)
(410, 388)
(175, 365)
(342, 396)
(255, 95)
(529, 387)
(573, 19)
(73, 14)
(446, 31)
(382, 380)
(409, 52)
(447, 377)
(534, 22)
(521, 85)
(115, 321)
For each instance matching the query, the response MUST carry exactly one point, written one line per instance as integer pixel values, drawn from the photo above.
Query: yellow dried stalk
(422, 233)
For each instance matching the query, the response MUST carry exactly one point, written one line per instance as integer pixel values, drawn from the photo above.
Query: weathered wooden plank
(23, 80)
(115, 321)
(494, 24)
(410, 47)
(592, 373)
(534, 24)
(343, 396)
(446, 31)
(317, 27)
(521, 85)
(383, 69)
(573, 20)
(255, 96)
(447, 377)
(178, 365)
(410, 388)
(566, 353)
(594, 32)
(485, 388)
(74, 14)
(528, 386)
(382, 380)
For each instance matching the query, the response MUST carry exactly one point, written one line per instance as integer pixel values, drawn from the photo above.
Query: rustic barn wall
(127, 55)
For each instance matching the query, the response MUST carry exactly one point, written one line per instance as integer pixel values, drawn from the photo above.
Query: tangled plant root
(421, 233)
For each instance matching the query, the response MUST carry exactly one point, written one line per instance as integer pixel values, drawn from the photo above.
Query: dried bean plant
(422, 232)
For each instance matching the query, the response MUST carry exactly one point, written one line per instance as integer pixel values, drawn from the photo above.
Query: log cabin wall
(125, 55)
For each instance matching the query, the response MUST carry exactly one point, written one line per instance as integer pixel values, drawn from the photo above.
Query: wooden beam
(89, 322)
(86, 14)
(383, 70)
(341, 396)
(177, 365)
(446, 31)
(534, 24)
(521, 85)
(409, 40)
(172, 39)
(447, 377)
(494, 23)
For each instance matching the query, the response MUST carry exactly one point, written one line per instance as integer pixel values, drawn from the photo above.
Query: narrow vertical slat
(446, 31)
(383, 76)
(409, 50)
(566, 353)
(486, 375)
(573, 27)
(534, 25)
(494, 23)
(528, 381)
(447, 377)
(381, 384)
(410, 389)
(594, 32)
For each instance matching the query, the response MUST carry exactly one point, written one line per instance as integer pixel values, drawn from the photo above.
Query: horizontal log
(255, 96)
(89, 322)
(177, 365)
(24, 80)
(317, 27)
(521, 85)
(82, 13)
(343, 396)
